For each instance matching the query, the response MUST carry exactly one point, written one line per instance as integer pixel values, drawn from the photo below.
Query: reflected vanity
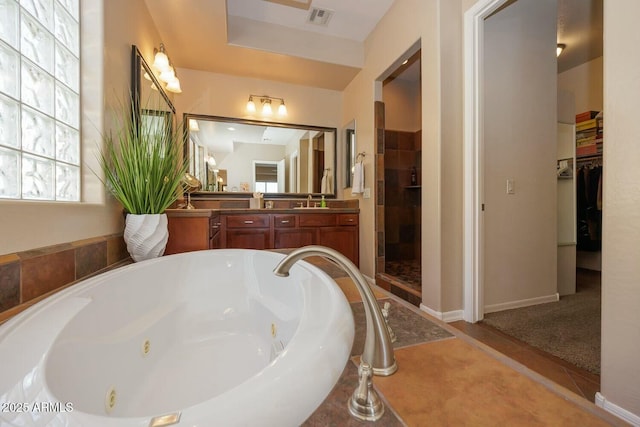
(233, 156)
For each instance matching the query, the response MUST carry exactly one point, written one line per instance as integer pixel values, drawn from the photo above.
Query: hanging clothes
(589, 207)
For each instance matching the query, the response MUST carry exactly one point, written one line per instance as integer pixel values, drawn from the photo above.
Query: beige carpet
(568, 329)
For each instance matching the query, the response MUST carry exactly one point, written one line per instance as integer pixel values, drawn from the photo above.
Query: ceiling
(580, 28)
(267, 40)
(220, 137)
(273, 40)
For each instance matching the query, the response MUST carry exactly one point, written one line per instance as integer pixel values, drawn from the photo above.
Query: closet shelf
(412, 187)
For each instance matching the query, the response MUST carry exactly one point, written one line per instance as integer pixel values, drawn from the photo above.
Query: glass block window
(40, 99)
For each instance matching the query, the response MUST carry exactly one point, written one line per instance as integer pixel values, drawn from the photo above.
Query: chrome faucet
(378, 357)
(309, 201)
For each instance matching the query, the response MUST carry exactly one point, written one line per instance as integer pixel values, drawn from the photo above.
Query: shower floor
(406, 271)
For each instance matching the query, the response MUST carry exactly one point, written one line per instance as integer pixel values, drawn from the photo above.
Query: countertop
(210, 212)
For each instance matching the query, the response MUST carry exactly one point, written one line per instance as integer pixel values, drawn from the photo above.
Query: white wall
(520, 144)
(239, 163)
(585, 82)
(402, 105)
(225, 95)
(620, 378)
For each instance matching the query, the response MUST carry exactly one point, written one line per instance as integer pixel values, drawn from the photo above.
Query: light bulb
(174, 86)
(168, 75)
(282, 109)
(266, 108)
(251, 106)
(161, 60)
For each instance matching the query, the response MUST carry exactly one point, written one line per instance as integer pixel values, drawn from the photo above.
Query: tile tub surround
(28, 276)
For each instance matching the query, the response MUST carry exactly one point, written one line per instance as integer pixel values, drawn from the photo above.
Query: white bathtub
(214, 336)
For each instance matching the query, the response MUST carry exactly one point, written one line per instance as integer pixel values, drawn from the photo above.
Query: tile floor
(577, 380)
(446, 377)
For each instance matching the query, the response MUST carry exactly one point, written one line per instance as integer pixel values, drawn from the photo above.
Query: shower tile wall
(402, 204)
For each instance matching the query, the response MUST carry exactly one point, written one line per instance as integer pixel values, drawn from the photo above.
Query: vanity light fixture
(193, 125)
(265, 100)
(559, 48)
(167, 73)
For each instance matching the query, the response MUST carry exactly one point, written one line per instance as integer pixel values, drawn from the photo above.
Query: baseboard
(521, 303)
(616, 410)
(447, 316)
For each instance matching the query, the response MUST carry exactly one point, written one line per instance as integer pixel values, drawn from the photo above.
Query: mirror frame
(138, 64)
(350, 152)
(239, 194)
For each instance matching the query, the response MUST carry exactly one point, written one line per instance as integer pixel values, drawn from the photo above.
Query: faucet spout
(378, 350)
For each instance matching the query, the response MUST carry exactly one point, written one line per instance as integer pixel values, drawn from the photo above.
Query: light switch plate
(367, 193)
(511, 186)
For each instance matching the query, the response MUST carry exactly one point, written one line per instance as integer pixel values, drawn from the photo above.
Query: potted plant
(143, 167)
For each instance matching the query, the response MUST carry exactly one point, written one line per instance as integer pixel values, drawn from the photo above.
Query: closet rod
(586, 159)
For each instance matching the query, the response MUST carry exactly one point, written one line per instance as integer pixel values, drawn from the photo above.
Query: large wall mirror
(231, 156)
(151, 105)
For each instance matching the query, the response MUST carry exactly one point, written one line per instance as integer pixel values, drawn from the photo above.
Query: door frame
(473, 244)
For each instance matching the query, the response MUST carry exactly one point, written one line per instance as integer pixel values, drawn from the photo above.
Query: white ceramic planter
(146, 235)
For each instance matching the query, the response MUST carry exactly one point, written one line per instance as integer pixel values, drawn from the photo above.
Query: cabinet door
(250, 238)
(343, 239)
(293, 237)
(187, 234)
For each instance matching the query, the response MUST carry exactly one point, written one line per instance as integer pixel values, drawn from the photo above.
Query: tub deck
(446, 377)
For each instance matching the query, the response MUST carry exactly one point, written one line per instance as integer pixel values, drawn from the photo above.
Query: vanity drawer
(284, 221)
(247, 221)
(317, 220)
(347, 219)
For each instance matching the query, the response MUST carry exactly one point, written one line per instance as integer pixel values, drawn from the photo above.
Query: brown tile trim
(9, 285)
(7, 314)
(30, 274)
(45, 273)
(90, 258)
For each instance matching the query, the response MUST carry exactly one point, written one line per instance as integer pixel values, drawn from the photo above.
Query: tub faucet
(378, 357)
(378, 351)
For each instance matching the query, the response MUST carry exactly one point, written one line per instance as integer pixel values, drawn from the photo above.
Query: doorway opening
(483, 267)
(400, 272)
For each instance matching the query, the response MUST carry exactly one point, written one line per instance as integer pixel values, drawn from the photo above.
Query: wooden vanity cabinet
(192, 231)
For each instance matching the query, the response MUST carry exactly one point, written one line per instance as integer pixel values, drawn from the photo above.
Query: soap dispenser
(323, 202)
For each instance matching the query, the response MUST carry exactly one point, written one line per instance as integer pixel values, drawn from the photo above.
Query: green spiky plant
(143, 166)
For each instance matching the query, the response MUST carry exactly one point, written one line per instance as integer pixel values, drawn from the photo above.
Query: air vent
(320, 16)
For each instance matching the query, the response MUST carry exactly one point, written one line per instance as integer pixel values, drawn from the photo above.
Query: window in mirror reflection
(269, 177)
